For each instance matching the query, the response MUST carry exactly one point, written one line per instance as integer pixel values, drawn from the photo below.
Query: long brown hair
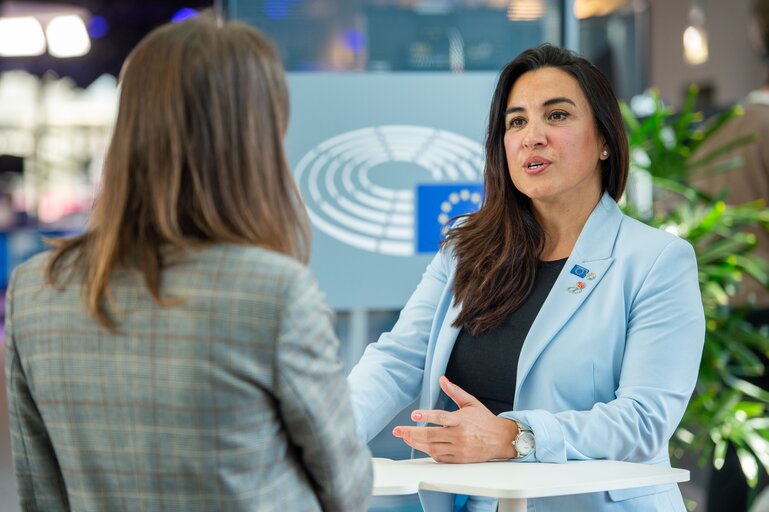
(196, 157)
(498, 247)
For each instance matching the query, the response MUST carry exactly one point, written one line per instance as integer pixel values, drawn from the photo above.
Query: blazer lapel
(447, 336)
(590, 258)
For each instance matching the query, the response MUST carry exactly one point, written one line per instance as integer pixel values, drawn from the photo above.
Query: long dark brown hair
(196, 157)
(498, 247)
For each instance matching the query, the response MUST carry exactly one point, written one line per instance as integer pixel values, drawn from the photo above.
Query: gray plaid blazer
(233, 400)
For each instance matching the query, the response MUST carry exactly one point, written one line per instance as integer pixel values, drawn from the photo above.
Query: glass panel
(392, 35)
(618, 43)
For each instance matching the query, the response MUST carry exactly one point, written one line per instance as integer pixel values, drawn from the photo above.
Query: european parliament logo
(359, 186)
(436, 205)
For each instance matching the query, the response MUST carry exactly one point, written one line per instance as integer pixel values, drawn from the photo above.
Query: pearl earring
(605, 153)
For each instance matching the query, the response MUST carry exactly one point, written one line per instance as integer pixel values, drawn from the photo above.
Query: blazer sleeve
(663, 346)
(314, 399)
(389, 375)
(40, 483)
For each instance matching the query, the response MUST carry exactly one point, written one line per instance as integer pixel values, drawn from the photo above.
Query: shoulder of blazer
(634, 236)
(32, 269)
(248, 261)
(609, 235)
(448, 262)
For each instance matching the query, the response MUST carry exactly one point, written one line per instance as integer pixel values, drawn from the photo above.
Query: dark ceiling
(127, 23)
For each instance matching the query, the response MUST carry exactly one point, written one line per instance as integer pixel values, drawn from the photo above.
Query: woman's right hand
(470, 434)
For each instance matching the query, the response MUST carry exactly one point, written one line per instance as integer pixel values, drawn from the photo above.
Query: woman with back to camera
(174, 355)
(549, 327)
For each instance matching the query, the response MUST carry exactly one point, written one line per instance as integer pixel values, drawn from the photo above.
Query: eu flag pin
(580, 272)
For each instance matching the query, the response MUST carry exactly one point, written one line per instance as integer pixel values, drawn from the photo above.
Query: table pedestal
(512, 505)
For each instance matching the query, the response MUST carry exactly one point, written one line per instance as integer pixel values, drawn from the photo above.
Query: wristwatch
(524, 442)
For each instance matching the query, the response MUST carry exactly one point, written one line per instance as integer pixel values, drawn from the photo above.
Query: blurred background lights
(97, 27)
(523, 10)
(695, 37)
(695, 45)
(183, 14)
(67, 36)
(21, 37)
(355, 40)
(584, 9)
(276, 9)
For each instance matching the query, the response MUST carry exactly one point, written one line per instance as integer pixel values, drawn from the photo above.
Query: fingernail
(416, 415)
(397, 432)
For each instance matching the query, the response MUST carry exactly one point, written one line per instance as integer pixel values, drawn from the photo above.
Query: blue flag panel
(437, 205)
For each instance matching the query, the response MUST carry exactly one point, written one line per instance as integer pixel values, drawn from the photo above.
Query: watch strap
(526, 431)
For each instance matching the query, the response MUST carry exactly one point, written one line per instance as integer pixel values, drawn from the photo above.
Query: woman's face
(551, 141)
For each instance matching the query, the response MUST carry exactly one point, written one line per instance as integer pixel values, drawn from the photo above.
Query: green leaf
(754, 266)
(749, 389)
(735, 162)
(751, 408)
(677, 187)
(716, 293)
(760, 448)
(749, 466)
(719, 455)
(759, 423)
(629, 117)
(724, 250)
(684, 435)
(688, 115)
(749, 363)
(715, 124)
(717, 153)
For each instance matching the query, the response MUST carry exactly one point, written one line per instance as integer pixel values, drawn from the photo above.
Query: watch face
(524, 444)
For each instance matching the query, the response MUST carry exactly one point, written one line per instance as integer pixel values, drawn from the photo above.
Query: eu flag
(579, 271)
(436, 205)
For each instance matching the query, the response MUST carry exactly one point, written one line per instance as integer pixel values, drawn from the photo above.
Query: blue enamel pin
(580, 272)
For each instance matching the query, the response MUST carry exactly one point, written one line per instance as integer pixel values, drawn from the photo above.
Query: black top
(486, 366)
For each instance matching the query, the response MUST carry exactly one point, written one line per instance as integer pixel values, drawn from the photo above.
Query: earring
(605, 153)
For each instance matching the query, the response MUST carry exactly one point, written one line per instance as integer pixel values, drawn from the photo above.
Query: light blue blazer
(604, 374)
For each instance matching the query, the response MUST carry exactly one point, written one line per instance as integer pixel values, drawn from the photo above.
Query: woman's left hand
(470, 434)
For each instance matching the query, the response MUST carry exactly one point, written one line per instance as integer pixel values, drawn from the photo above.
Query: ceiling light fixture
(525, 10)
(67, 36)
(584, 9)
(695, 37)
(22, 33)
(21, 37)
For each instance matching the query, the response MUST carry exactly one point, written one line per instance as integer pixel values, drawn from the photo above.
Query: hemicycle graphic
(346, 203)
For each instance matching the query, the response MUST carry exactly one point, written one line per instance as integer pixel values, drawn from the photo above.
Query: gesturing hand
(470, 434)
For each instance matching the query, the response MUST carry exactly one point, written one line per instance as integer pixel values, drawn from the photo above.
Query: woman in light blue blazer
(550, 326)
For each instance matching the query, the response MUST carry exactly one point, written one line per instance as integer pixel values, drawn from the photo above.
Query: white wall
(733, 68)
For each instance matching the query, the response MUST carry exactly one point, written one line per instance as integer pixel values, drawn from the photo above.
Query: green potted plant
(725, 408)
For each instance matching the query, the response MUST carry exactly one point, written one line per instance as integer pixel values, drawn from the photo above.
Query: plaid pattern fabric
(232, 400)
